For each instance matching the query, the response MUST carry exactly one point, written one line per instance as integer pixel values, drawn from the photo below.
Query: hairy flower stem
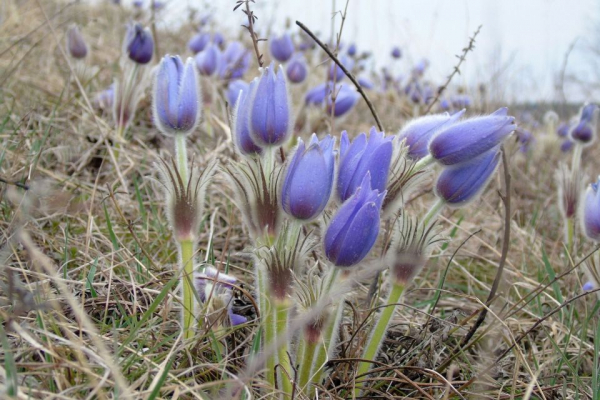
(373, 345)
(433, 212)
(181, 154)
(423, 163)
(576, 162)
(570, 233)
(186, 251)
(305, 360)
(282, 309)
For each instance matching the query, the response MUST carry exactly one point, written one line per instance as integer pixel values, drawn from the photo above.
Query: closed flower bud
(569, 190)
(233, 91)
(199, 41)
(363, 156)
(563, 129)
(365, 83)
(296, 69)
(241, 132)
(215, 289)
(282, 48)
(309, 179)
(419, 132)
(351, 50)
(105, 99)
(335, 71)
(270, 112)
(316, 96)
(235, 61)
(208, 60)
(591, 212)
(396, 52)
(177, 96)
(345, 99)
(589, 285)
(75, 43)
(139, 44)
(583, 132)
(461, 183)
(566, 145)
(354, 228)
(466, 140)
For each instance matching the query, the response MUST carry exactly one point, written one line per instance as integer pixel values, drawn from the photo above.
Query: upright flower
(76, 43)
(335, 71)
(270, 110)
(419, 132)
(199, 41)
(351, 50)
(282, 47)
(345, 99)
(362, 156)
(583, 131)
(465, 140)
(354, 228)
(241, 132)
(396, 52)
(316, 96)
(176, 96)
(591, 212)
(563, 129)
(139, 44)
(309, 179)
(235, 61)
(233, 91)
(296, 69)
(208, 60)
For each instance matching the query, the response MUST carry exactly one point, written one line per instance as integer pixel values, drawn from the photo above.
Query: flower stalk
(186, 251)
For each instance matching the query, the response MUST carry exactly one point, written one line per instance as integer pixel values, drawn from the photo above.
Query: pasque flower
(351, 51)
(396, 52)
(139, 44)
(335, 71)
(76, 43)
(215, 289)
(270, 110)
(241, 132)
(591, 212)
(345, 99)
(458, 184)
(208, 60)
(316, 96)
(583, 131)
(563, 129)
(353, 230)
(361, 157)
(309, 178)
(235, 61)
(296, 69)
(465, 140)
(233, 91)
(199, 41)
(419, 132)
(177, 96)
(282, 47)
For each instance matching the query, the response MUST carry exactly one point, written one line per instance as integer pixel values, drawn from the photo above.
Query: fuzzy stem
(433, 212)
(424, 163)
(282, 309)
(186, 249)
(305, 360)
(576, 162)
(379, 331)
(570, 233)
(181, 153)
(266, 313)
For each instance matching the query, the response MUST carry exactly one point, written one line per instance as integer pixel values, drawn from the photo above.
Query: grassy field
(88, 298)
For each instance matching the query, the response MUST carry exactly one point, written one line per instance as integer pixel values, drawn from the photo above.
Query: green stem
(305, 360)
(379, 331)
(433, 212)
(186, 248)
(181, 153)
(282, 309)
(267, 314)
(423, 163)
(576, 157)
(570, 233)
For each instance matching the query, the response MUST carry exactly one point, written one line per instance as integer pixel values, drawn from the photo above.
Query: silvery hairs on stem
(569, 190)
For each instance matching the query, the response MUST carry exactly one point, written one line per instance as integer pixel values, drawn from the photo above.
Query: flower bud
(75, 43)
(335, 71)
(563, 129)
(566, 145)
(589, 285)
(466, 140)
(233, 91)
(282, 48)
(199, 41)
(419, 132)
(461, 183)
(354, 228)
(296, 70)
(583, 132)
(270, 110)
(176, 96)
(241, 132)
(351, 50)
(105, 99)
(207, 60)
(316, 96)
(396, 52)
(139, 44)
(234, 61)
(591, 212)
(309, 179)
(345, 99)
(365, 83)
(363, 156)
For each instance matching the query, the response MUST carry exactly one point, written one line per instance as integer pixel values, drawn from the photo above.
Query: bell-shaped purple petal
(139, 44)
(282, 48)
(241, 131)
(236, 319)
(297, 70)
(208, 60)
(76, 43)
(563, 129)
(316, 96)
(591, 212)
(345, 99)
(582, 133)
(233, 91)
(461, 183)
(466, 140)
(199, 41)
(335, 71)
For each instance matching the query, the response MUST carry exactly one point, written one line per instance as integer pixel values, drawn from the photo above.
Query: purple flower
(583, 132)
(282, 47)
(270, 110)
(420, 67)
(345, 100)
(216, 287)
(296, 69)
(176, 96)
(566, 145)
(591, 212)
(76, 43)
(470, 138)
(461, 183)
(353, 230)
(199, 41)
(363, 156)
(461, 101)
(365, 83)
(444, 104)
(233, 91)
(419, 132)
(309, 179)
(335, 71)
(208, 60)
(139, 44)
(138, 3)
(563, 129)
(105, 99)
(351, 50)
(525, 139)
(241, 132)
(235, 61)
(316, 96)
(589, 285)
(396, 52)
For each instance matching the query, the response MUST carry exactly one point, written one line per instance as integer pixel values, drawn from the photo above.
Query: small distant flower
(363, 156)
(420, 67)
(591, 212)
(335, 71)
(419, 132)
(218, 39)
(351, 50)
(138, 3)
(345, 99)
(139, 44)
(233, 91)
(316, 96)
(583, 132)
(569, 190)
(444, 104)
(354, 228)
(208, 60)
(199, 41)
(76, 43)
(282, 48)
(365, 83)
(589, 285)
(241, 131)
(270, 112)
(177, 96)
(236, 61)
(158, 5)
(105, 99)
(309, 179)
(461, 183)
(215, 288)
(396, 52)
(470, 138)
(525, 139)
(296, 69)
(566, 145)
(461, 101)
(563, 129)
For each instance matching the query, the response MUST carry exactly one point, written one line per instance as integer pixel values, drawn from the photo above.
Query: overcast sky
(524, 39)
